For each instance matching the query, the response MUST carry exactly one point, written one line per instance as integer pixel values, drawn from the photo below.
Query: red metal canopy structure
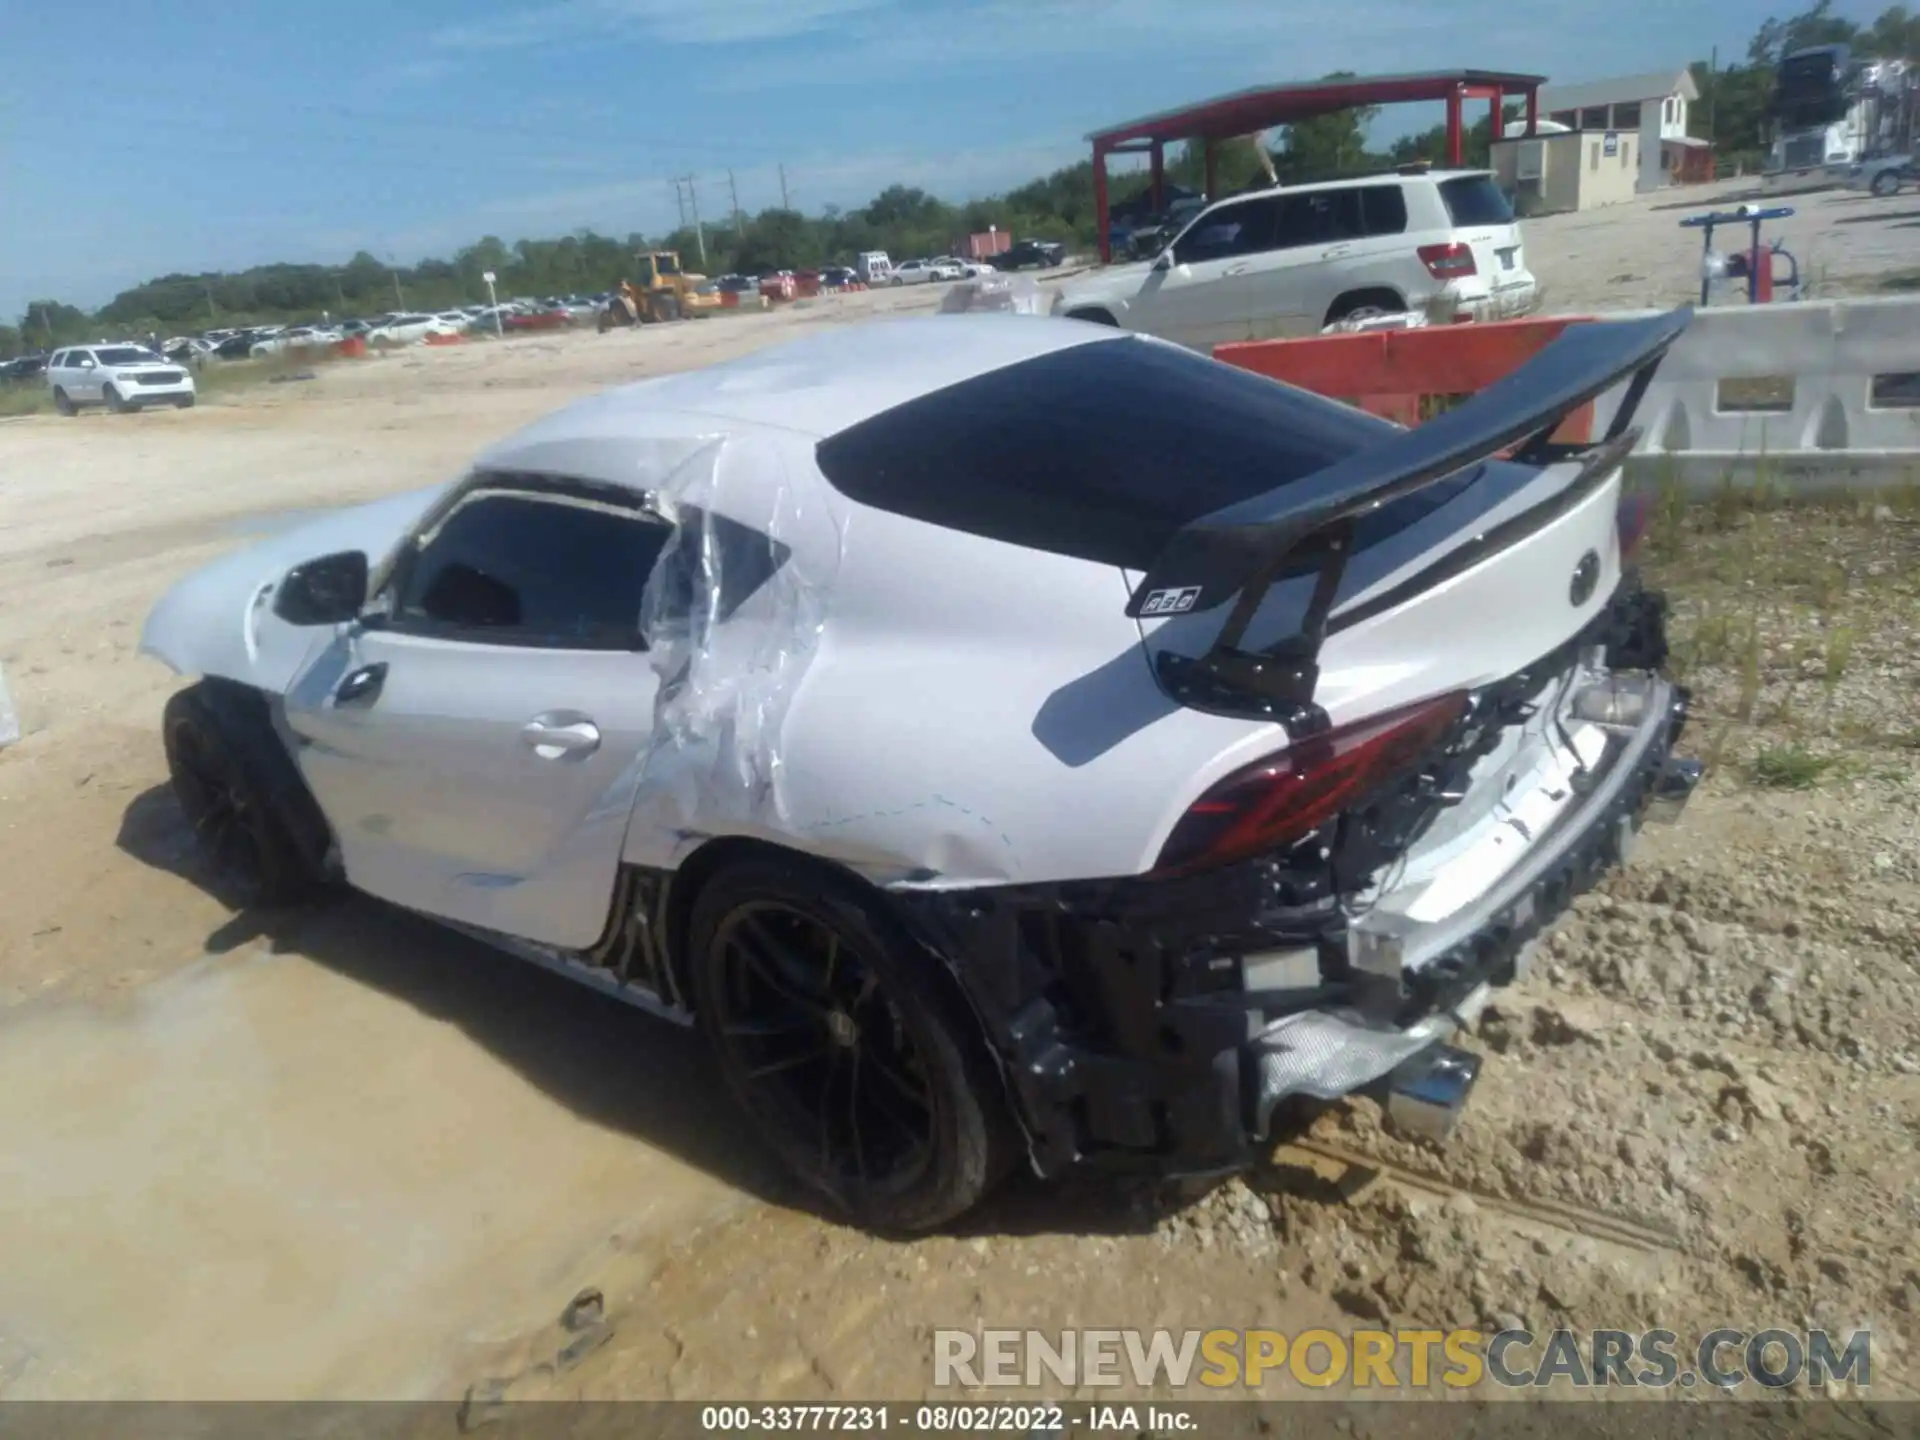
(1249, 111)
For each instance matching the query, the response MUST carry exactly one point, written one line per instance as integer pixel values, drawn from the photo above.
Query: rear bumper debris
(1156, 1025)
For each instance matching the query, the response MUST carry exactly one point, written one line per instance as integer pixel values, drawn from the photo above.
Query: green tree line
(901, 220)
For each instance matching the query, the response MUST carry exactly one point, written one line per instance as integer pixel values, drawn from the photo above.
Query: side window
(59, 359)
(527, 568)
(1383, 210)
(1226, 232)
(1323, 217)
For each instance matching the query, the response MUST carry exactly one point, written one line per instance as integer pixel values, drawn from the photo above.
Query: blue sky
(138, 139)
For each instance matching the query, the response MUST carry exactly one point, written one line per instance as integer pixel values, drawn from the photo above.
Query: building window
(1666, 110)
(1594, 117)
(1568, 118)
(1627, 117)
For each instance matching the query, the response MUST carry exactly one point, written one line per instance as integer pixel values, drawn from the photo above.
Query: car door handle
(1239, 269)
(363, 686)
(560, 733)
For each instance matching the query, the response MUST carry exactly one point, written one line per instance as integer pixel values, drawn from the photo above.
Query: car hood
(219, 621)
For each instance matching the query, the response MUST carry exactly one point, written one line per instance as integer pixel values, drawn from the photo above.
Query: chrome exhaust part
(1427, 1092)
(1672, 788)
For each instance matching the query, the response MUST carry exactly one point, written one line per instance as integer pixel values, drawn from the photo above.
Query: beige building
(1598, 143)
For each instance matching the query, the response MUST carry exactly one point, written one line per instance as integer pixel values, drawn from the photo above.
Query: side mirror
(328, 591)
(89, 363)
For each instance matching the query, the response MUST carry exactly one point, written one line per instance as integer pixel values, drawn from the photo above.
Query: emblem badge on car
(1585, 576)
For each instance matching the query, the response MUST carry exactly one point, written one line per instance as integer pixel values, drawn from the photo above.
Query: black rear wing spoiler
(1239, 552)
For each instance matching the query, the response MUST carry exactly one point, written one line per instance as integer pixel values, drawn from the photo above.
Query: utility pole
(1713, 96)
(680, 199)
(785, 203)
(739, 225)
(699, 232)
(399, 300)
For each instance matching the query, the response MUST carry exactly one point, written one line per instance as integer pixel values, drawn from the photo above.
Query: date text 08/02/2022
(944, 1419)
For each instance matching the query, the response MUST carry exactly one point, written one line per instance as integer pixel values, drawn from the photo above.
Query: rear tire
(1363, 305)
(858, 1060)
(63, 403)
(254, 823)
(1886, 183)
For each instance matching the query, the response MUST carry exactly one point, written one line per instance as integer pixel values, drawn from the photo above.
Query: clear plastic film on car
(733, 614)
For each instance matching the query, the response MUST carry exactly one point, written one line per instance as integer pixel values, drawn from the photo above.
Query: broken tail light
(1636, 514)
(1278, 800)
(1448, 262)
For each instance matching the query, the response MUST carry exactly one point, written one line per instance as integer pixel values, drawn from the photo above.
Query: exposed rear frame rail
(1241, 551)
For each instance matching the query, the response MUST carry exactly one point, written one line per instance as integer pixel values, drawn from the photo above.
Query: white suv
(1291, 261)
(120, 377)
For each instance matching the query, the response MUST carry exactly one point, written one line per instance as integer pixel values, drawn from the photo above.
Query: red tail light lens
(1448, 262)
(1636, 513)
(1276, 801)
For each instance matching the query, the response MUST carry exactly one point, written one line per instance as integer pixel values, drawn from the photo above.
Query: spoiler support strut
(1307, 527)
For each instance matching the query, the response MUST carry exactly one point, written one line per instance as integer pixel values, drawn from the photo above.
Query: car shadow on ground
(1879, 217)
(605, 1061)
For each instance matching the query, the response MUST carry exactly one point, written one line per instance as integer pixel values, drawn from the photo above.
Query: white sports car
(1002, 736)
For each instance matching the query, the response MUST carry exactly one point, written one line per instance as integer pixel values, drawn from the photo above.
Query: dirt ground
(1624, 257)
(347, 1154)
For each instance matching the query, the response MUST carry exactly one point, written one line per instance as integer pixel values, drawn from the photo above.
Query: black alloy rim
(219, 812)
(819, 1044)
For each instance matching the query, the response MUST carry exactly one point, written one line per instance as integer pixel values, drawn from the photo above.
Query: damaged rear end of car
(1459, 682)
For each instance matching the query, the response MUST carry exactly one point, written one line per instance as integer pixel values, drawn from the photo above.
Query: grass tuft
(1791, 767)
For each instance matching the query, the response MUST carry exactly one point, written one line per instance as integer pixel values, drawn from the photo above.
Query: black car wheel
(184, 402)
(1886, 183)
(254, 823)
(868, 1076)
(63, 403)
(116, 402)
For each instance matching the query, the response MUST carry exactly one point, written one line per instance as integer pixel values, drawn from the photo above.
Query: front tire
(857, 1059)
(1886, 183)
(116, 402)
(254, 824)
(184, 402)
